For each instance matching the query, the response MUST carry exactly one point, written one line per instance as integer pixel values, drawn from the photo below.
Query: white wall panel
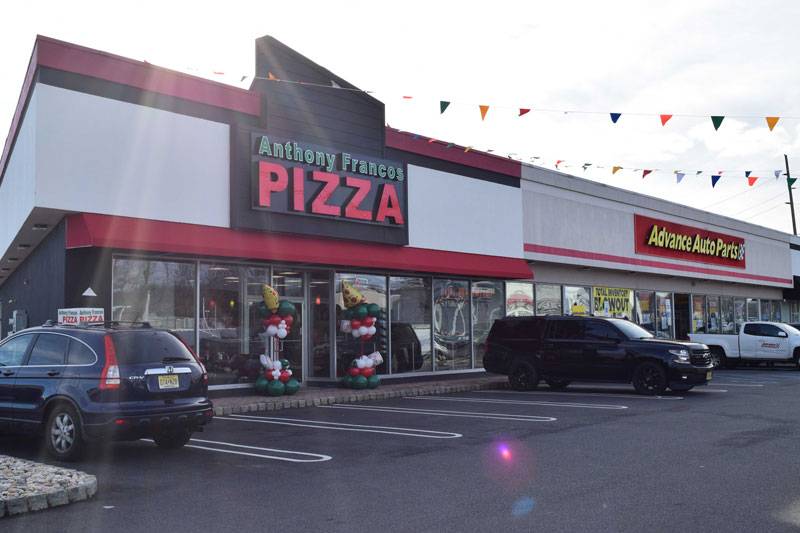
(17, 187)
(455, 213)
(104, 156)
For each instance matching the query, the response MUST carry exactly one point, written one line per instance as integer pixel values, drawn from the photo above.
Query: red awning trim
(85, 229)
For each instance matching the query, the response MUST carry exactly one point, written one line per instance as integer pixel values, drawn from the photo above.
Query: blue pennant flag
(615, 117)
(714, 180)
(747, 173)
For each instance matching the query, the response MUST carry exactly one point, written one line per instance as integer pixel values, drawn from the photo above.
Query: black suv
(564, 349)
(104, 380)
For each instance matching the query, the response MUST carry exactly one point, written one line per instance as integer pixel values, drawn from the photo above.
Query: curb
(349, 396)
(47, 497)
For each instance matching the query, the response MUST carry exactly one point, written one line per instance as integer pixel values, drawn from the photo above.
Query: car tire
(557, 383)
(173, 438)
(649, 379)
(63, 433)
(523, 376)
(718, 359)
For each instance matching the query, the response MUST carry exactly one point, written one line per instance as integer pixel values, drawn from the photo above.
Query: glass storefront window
(451, 338)
(795, 312)
(373, 289)
(577, 300)
(646, 310)
(519, 299)
(159, 292)
(410, 315)
(776, 311)
(548, 299)
(752, 309)
(664, 317)
(739, 313)
(613, 302)
(766, 310)
(713, 314)
(320, 329)
(487, 306)
(290, 286)
(698, 314)
(727, 320)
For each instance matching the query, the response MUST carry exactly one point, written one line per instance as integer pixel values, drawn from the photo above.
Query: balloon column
(361, 322)
(278, 317)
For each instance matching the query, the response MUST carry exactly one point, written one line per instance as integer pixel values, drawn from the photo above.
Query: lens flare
(505, 453)
(508, 464)
(523, 506)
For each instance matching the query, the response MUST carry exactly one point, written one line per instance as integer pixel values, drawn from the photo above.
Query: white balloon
(372, 330)
(276, 374)
(272, 331)
(369, 363)
(364, 330)
(276, 365)
(283, 323)
(360, 363)
(290, 372)
(281, 333)
(266, 363)
(355, 333)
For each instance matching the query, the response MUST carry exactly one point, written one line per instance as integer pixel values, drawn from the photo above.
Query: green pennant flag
(717, 122)
(443, 105)
(790, 181)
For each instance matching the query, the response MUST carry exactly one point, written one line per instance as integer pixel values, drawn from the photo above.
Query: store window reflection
(487, 306)
(548, 299)
(665, 316)
(752, 309)
(319, 292)
(698, 314)
(739, 312)
(646, 310)
(410, 324)
(727, 314)
(451, 314)
(713, 314)
(519, 299)
(348, 347)
(577, 300)
(290, 287)
(159, 292)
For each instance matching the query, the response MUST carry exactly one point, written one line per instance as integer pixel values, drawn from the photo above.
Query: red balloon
(368, 321)
(265, 321)
(288, 330)
(274, 319)
(367, 337)
(284, 376)
(269, 375)
(355, 323)
(354, 371)
(288, 319)
(367, 371)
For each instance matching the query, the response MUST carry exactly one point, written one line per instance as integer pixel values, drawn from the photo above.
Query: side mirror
(783, 334)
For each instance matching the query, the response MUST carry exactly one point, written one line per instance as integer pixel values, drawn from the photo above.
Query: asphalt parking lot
(590, 458)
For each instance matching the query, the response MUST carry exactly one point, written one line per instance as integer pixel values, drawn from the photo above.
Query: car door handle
(8, 372)
(53, 373)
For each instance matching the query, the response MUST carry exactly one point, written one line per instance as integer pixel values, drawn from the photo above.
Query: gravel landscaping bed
(29, 486)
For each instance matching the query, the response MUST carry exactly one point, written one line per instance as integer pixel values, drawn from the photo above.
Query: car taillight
(486, 346)
(202, 366)
(110, 377)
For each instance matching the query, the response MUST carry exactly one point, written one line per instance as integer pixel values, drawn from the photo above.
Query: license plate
(708, 375)
(168, 382)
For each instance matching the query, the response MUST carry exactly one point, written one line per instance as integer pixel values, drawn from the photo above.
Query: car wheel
(63, 433)
(557, 383)
(649, 379)
(174, 438)
(523, 376)
(717, 357)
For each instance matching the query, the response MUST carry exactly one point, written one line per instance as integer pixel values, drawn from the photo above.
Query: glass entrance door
(290, 285)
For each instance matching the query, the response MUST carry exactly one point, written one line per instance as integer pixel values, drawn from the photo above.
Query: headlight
(683, 355)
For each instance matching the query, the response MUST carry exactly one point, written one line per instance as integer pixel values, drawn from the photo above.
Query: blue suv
(101, 381)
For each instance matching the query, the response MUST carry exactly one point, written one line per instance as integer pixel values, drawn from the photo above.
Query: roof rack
(114, 324)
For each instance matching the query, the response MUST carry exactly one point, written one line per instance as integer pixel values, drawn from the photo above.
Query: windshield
(791, 329)
(631, 330)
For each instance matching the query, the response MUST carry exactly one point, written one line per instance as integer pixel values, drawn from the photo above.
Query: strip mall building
(162, 197)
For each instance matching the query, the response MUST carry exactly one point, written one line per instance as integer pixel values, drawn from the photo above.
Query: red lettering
(389, 206)
(362, 188)
(298, 189)
(266, 185)
(318, 205)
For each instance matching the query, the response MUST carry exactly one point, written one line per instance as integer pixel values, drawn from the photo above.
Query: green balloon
(275, 388)
(359, 382)
(261, 384)
(348, 381)
(348, 314)
(261, 309)
(374, 310)
(373, 381)
(291, 386)
(285, 307)
(285, 364)
(354, 362)
(360, 311)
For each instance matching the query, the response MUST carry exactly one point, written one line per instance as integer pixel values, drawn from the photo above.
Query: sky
(691, 59)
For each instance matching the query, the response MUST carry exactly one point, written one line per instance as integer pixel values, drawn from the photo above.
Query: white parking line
(388, 430)
(317, 457)
(462, 414)
(600, 394)
(707, 389)
(519, 402)
(736, 384)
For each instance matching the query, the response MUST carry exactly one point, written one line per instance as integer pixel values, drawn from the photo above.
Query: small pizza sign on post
(76, 315)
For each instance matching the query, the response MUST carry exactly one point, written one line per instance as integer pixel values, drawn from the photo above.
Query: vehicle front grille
(700, 357)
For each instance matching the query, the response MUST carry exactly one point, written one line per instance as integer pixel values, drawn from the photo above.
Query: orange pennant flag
(484, 109)
(273, 78)
(664, 119)
(614, 170)
(751, 181)
(468, 149)
(771, 121)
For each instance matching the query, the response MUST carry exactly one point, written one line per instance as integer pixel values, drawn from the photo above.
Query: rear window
(752, 329)
(566, 330)
(147, 347)
(523, 328)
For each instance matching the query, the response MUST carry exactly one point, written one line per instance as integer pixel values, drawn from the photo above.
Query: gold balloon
(271, 298)
(351, 296)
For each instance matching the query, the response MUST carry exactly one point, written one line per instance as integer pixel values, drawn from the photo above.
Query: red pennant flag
(523, 111)
(484, 109)
(407, 97)
(559, 162)
(664, 119)
(752, 181)
(218, 73)
(431, 140)
(645, 173)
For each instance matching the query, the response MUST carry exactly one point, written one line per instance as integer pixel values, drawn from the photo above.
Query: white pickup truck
(756, 342)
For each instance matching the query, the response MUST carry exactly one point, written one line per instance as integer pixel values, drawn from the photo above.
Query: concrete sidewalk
(311, 396)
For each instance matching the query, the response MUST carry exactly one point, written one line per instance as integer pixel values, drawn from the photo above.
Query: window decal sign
(669, 239)
(612, 301)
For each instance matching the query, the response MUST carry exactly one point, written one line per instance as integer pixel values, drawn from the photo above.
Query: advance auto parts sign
(298, 187)
(668, 239)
